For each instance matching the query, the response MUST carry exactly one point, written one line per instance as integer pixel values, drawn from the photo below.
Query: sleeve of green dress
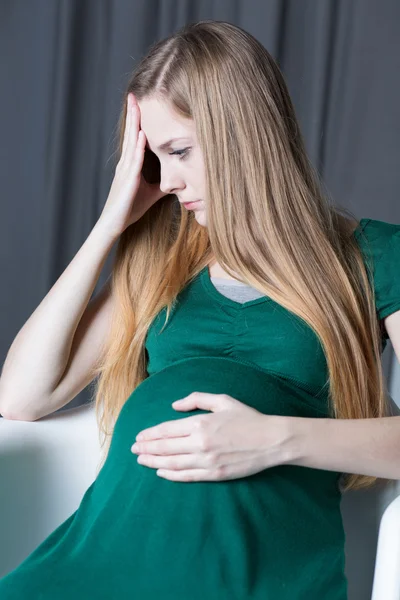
(380, 241)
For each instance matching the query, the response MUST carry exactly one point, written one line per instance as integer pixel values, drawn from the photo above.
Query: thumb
(204, 401)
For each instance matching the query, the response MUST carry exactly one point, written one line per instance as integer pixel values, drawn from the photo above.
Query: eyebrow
(165, 145)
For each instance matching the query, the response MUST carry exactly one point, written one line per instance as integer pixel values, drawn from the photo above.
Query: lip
(191, 205)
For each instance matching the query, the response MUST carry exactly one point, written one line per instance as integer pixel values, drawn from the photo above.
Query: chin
(200, 216)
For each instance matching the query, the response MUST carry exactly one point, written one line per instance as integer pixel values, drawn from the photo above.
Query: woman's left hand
(233, 441)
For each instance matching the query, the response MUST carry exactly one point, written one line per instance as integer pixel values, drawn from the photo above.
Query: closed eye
(181, 153)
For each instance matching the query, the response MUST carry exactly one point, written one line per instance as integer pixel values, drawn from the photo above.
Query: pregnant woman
(238, 289)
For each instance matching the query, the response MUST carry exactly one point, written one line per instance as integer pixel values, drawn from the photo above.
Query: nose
(170, 182)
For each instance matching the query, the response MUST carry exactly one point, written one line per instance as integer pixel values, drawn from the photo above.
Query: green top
(277, 534)
(380, 242)
(284, 345)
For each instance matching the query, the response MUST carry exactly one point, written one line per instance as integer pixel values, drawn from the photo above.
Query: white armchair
(47, 465)
(45, 468)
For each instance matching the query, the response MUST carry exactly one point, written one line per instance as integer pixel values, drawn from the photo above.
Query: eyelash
(181, 153)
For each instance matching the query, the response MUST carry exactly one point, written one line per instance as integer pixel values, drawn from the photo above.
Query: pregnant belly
(267, 532)
(276, 534)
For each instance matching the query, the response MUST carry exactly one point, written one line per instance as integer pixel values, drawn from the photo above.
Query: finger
(127, 125)
(180, 426)
(187, 475)
(139, 153)
(133, 132)
(170, 446)
(179, 462)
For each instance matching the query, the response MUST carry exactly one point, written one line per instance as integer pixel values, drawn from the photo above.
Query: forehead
(160, 122)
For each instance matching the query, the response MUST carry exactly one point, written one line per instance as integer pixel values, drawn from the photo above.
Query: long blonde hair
(267, 220)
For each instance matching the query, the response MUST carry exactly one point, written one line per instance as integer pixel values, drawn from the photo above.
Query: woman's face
(166, 135)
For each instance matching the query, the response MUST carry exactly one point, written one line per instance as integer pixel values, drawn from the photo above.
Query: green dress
(274, 535)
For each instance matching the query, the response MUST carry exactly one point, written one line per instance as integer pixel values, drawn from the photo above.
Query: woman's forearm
(39, 353)
(359, 446)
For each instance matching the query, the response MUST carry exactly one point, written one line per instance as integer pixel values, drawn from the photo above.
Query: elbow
(15, 417)
(13, 414)
(13, 410)
(9, 408)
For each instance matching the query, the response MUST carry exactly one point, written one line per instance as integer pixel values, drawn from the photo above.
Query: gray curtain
(64, 65)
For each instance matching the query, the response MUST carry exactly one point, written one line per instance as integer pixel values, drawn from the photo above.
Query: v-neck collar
(212, 291)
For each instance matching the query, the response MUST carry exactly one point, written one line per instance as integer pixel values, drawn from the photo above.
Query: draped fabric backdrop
(64, 65)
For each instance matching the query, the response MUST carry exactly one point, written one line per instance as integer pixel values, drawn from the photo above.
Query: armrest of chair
(387, 565)
(45, 468)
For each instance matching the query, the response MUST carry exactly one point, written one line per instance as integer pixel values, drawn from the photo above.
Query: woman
(254, 306)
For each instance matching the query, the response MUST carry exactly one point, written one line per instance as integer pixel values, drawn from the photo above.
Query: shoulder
(379, 242)
(376, 236)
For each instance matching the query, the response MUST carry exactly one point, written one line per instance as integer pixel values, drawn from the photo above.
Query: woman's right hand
(130, 194)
